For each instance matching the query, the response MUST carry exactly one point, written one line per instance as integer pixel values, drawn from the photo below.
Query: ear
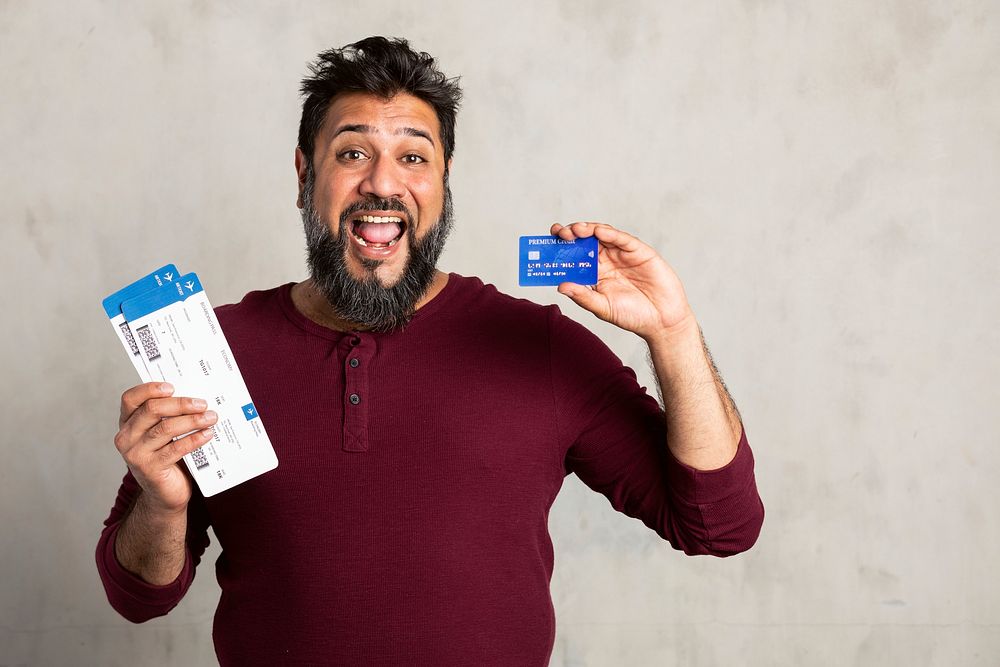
(300, 170)
(448, 168)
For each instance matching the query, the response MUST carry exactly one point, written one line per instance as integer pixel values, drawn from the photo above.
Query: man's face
(376, 206)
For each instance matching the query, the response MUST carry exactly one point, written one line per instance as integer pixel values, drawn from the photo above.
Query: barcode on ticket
(148, 343)
(127, 335)
(199, 458)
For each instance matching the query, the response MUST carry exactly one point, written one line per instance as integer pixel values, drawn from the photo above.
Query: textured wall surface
(823, 176)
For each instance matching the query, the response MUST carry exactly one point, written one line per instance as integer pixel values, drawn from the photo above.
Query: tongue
(376, 232)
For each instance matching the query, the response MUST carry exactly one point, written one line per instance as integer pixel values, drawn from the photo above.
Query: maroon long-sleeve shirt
(406, 522)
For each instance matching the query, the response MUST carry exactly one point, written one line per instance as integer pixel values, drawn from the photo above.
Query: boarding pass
(168, 327)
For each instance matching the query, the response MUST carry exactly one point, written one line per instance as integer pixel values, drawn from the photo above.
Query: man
(423, 422)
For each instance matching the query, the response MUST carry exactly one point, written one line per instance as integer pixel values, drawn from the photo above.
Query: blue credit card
(550, 260)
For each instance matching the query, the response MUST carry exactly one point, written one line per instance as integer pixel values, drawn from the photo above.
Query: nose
(383, 179)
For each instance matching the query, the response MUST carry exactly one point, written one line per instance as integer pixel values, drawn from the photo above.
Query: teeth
(362, 242)
(380, 219)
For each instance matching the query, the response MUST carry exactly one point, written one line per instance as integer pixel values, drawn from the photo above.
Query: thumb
(587, 299)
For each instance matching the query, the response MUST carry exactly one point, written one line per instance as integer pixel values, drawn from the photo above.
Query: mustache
(376, 204)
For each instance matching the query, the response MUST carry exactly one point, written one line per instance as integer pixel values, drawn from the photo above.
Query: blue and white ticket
(180, 341)
(113, 307)
(550, 260)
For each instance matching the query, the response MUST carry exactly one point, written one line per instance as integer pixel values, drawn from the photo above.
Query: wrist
(684, 333)
(153, 510)
(150, 543)
(678, 354)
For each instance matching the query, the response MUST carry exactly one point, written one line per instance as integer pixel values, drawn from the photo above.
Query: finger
(610, 236)
(136, 444)
(165, 430)
(155, 409)
(135, 396)
(175, 451)
(577, 230)
(587, 299)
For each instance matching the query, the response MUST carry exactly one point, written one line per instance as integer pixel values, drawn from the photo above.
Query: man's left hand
(636, 288)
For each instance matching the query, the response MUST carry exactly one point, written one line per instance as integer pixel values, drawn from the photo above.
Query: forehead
(383, 116)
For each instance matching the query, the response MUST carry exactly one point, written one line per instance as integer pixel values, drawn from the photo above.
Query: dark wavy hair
(381, 67)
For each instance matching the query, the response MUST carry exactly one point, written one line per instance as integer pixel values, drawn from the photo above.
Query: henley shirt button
(355, 340)
(355, 399)
(354, 363)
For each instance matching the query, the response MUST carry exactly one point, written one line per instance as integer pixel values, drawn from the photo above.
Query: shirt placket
(359, 350)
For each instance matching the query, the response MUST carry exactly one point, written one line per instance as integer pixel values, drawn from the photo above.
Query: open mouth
(378, 231)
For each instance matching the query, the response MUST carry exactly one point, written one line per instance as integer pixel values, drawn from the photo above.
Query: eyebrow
(368, 129)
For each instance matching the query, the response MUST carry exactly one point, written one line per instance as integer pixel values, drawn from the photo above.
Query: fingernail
(199, 403)
(211, 416)
(166, 386)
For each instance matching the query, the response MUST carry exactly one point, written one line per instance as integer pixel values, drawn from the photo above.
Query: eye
(413, 158)
(352, 155)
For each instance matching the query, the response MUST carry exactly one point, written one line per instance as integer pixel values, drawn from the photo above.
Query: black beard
(367, 303)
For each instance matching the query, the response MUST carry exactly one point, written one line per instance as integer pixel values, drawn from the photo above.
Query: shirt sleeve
(129, 595)
(618, 446)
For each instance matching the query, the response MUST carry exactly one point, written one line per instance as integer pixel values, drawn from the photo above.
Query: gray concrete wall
(823, 176)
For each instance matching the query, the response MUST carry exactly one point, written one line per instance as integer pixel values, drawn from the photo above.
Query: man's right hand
(151, 417)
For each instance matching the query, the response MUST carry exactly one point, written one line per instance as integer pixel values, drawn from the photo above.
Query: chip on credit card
(550, 260)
